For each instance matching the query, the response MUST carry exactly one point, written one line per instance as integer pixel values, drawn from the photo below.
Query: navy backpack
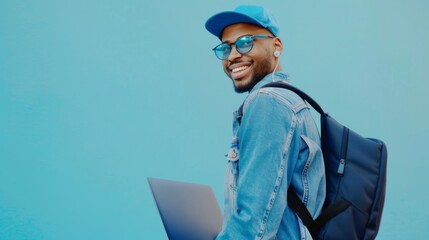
(355, 181)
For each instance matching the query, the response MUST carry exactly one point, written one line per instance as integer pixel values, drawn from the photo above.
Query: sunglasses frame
(252, 37)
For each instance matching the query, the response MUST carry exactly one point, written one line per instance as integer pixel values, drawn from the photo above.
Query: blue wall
(96, 96)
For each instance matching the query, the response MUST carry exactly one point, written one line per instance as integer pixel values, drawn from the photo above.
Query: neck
(278, 67)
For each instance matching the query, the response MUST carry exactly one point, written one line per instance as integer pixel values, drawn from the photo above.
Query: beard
(260, 71)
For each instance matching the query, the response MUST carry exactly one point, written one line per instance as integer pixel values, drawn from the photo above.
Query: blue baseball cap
(256, 15)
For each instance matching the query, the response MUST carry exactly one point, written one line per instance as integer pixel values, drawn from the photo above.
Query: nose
(234, 54)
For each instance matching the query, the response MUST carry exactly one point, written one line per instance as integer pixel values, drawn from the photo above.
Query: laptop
(188, 211)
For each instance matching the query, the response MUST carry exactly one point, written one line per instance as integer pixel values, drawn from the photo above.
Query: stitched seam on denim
(280, 175)
(305, 182)
(233, 186)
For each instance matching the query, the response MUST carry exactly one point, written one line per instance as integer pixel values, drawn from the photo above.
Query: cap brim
(217, 23)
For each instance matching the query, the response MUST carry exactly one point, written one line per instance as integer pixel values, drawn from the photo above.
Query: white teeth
(239, 69)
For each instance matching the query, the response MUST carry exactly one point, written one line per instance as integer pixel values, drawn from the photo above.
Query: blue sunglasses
(243, 45)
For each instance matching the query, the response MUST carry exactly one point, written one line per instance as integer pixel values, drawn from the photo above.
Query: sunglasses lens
(222, 51)
(244, 44)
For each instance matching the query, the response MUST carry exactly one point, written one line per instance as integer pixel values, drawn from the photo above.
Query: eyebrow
(238, 38)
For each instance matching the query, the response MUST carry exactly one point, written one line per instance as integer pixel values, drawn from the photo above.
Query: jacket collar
(272, 77)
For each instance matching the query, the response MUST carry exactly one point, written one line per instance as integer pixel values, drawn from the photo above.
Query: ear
(278, 45)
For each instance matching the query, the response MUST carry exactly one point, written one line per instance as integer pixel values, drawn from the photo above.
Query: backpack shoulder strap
(299, 92)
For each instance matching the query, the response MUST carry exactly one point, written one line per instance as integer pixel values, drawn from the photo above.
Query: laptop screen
(188, 211)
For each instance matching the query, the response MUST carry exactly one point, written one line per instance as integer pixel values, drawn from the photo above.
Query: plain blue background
(96, 96)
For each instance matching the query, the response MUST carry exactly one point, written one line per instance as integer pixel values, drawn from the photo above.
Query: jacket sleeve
(268, 141)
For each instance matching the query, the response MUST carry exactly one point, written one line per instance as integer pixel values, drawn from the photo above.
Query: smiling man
(246, 72)
(275, 142)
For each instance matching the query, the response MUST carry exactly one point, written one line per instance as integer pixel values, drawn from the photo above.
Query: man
(275, 143)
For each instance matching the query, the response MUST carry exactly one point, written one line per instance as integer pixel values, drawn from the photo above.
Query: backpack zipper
(343, 155)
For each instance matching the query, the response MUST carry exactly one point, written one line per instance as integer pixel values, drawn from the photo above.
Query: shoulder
(275, 98)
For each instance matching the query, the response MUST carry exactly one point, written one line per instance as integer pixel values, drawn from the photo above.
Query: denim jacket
(276, 144)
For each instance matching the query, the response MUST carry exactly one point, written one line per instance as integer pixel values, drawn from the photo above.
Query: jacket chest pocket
(233, 156)
(232, 170)
(231, 177)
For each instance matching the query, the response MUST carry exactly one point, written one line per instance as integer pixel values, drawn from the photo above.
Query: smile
(242, 68)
